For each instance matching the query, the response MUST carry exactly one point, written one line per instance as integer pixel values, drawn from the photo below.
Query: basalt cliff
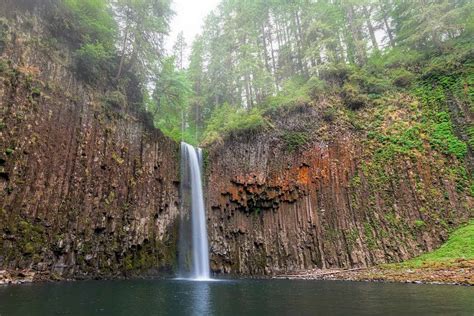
(88, 187)
(301, 196)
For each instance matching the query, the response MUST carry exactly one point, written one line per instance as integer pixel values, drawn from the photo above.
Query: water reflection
(201, 299)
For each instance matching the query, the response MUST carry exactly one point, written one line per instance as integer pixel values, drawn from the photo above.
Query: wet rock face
(86, 189)
(275, 210)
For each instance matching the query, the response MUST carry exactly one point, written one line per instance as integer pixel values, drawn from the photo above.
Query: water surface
(239, 297)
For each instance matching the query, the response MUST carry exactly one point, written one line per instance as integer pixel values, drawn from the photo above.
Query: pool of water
(234, 297)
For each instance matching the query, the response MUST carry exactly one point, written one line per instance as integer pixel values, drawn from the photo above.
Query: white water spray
(194, 254)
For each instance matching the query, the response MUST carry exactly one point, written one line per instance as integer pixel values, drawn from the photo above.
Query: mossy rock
(336, 73)
(402, 78)
(28, 249)
(294, 140)
(352, 96)
(329, 114)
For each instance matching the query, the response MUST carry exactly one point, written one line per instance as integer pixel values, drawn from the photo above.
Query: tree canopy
(256, 54)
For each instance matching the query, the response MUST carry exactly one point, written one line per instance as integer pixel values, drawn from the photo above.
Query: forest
(254, 56)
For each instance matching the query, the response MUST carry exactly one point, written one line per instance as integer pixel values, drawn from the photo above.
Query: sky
(189, 18)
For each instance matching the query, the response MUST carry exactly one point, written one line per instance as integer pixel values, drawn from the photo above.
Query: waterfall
(193, 243)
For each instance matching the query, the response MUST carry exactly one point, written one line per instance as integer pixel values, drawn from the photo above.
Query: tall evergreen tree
(179, 50)
(144, 23)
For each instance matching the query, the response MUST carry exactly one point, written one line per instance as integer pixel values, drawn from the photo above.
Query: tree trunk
(356, 35)
(124, 49)
(371, 29)
(387, 25)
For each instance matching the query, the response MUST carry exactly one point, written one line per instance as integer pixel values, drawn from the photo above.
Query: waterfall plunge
(193, 244)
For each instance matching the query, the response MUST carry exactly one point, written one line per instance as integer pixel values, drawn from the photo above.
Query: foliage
(142, 25)
(336, 73)
(113, 38)
(329, 114)
(90, 26)
(3, 34)
(460, 245)
(422, 25)
(228, 118)
(353, 97)
(260, 55)
(419, 224)
(294, 92)
(115, 99)
(397, 140)
(294, 140)
(170, 100)
(92, 61)
(470, 133)
(443, 138)
(253, 56)
(369, 81)
(92, 21)
(402, 78)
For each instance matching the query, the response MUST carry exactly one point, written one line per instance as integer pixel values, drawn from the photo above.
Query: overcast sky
(189, 18)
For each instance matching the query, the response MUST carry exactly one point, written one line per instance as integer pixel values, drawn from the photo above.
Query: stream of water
(193, 245)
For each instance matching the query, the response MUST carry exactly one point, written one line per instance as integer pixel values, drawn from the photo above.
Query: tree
(429, 23)
(179, 50)
(197, 77)
(91, 28)
(251, 51)
(170, 99)
(143, 25)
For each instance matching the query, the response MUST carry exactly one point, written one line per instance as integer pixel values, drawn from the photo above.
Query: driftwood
(316, 274)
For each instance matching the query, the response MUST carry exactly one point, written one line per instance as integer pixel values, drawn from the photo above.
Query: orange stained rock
(234, 193)
(303, 175)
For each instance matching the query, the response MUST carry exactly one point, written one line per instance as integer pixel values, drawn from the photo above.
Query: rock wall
(87, 188)
(276, 206)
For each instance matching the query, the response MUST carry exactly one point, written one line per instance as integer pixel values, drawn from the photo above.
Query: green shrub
(401, 57)
(352, 97)
(470, 133)
(315, 88)
(91, 20)
(419, 224)
(294, 140)
(457, 61)
(335, 73)
(115, 99)
(92, 61)
(88, 27)
(329, 114)
(227, 119)
(402, 78)
(442, 137)
(373, 83)
(294, 92)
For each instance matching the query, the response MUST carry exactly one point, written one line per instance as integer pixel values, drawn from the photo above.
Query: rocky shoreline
(460, 272)
(8, 277)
